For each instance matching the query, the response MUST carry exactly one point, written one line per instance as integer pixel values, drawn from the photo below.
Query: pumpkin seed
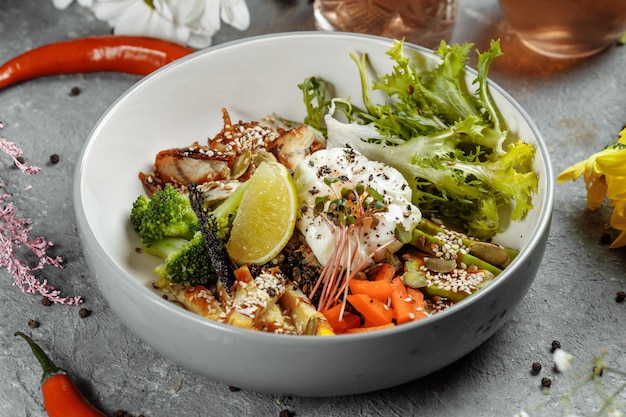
(489, 252)
(439, 264)
(414, 279)
(241, 164)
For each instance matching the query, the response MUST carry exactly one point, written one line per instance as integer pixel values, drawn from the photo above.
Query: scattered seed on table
(286, 413)
(20, 159)
(55, 158)
(620, 296)
(33, 324)
(74, 91)
(46, 301)
(546, 382)
(84, 312)
(555, 345)
(536, 368)
(233, 389)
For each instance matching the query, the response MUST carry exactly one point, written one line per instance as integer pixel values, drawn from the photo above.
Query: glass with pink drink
(566, 28)
(423, 22)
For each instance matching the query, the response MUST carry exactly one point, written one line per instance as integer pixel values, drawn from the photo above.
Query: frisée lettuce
(450, 141)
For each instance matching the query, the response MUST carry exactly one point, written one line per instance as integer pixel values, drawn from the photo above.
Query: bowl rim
(151, 298)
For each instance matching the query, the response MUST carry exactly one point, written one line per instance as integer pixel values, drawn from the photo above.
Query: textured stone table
(578, 105)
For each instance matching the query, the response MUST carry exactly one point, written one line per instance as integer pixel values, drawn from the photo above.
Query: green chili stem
(48, 367)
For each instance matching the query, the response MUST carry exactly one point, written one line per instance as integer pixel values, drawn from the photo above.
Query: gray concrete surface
(578, 105)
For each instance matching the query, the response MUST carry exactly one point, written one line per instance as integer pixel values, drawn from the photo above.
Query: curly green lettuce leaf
(446, 137)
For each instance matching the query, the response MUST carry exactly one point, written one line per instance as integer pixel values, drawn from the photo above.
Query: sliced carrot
(374, 311)
(407, 303)
(243, 274)
(416, 295)
(369, 329)
(386, 272)
(347, 321)
(380, 290)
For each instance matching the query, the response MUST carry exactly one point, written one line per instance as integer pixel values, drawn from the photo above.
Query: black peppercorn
(555, 345)
(536, 368)
(33, 324)
(74, 91)
(84, 312)
(620, 296)
(46, 301)
(546, 382)
(54, 158)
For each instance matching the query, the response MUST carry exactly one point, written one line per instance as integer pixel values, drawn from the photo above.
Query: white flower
(562, 360)
(190, 22)
(64, 4)
(522, 413)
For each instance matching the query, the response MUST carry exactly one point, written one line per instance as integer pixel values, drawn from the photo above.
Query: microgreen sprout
(345, 215)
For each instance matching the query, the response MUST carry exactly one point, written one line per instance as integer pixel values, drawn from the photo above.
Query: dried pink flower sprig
(15, 235)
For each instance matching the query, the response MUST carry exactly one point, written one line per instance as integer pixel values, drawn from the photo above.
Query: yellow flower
(618, 222)
(605, 176)
(594, 178)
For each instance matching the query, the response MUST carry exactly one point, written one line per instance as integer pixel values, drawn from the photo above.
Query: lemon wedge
(266, 217)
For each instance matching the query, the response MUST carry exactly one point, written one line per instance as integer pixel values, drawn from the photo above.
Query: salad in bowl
(310, 213)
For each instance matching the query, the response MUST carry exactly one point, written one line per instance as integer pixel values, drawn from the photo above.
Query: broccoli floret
(167, 214)
(215, 228)
(190, 238)
(186, 262)
(140, 207)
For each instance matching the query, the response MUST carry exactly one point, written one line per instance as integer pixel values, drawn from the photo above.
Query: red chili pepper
(61, 398)
(130, 54)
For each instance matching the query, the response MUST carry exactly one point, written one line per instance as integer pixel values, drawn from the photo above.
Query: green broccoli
(186, 262)
(170, 229)
(215, 227)
(167, 214)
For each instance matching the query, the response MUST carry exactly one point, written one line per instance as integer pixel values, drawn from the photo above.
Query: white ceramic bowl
(252, 78)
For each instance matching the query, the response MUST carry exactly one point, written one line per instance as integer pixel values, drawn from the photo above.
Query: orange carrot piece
(243, 274)
(380, 290)
(348, 321)
(386, 272)
(369, 329)
(407, 303)
(375, 311)
(420, 306)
